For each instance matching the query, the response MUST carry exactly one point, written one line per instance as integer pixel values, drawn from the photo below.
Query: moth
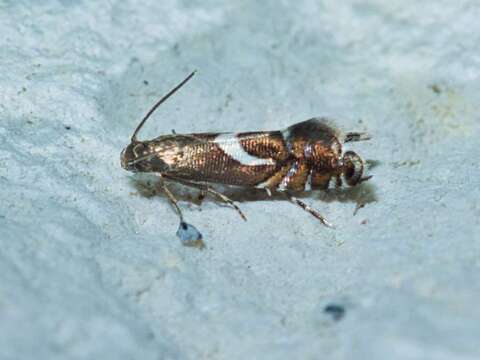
(305, 156)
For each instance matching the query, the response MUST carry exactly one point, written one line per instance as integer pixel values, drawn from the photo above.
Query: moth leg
(227, 200)
(205, 188)
(309, 209)
(201, 196)
(172, 199)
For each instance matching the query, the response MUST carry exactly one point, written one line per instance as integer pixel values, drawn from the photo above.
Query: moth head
(158, 155)
(353, 168)
(145, 156)
(137, 156)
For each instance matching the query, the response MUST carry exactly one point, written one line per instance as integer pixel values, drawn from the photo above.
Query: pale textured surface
(91, 269)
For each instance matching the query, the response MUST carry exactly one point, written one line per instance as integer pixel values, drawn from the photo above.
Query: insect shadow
(148, 186)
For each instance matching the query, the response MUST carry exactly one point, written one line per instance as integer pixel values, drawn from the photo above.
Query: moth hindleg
(309, 209)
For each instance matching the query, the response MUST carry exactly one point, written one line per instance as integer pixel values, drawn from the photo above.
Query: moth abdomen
(315, 158)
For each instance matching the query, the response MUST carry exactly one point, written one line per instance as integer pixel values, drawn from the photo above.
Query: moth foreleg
(309, 209)
(172, 199)
(188, 234)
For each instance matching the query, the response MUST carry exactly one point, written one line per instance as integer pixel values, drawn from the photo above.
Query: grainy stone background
(90, 267)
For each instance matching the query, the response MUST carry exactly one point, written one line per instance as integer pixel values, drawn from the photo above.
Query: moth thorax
(352, 168)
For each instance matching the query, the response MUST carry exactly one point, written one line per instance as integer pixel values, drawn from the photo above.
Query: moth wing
(325, 129)
(319, 128)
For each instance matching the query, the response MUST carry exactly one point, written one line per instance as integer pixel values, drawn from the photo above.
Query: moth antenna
(159, 102)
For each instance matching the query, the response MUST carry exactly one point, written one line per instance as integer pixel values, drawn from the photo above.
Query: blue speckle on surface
(189, 235)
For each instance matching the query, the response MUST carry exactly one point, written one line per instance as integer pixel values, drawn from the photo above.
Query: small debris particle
(337, 312)
(67, 127)
(145, 82)
(435, 88)
(364, 222)
(176, 49)
(190, 236)
(339, 242)
(228, 99)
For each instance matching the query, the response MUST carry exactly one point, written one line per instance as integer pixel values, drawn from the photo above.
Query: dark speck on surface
(337, 312)
(145, 82)
(67, 127)
(435, 88)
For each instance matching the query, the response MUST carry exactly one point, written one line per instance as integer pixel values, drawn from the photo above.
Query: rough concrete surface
(90, 267)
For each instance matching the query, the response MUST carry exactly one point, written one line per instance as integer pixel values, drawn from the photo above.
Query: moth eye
(139, 149)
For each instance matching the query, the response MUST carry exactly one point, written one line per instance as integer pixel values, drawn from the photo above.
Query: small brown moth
(305, 156)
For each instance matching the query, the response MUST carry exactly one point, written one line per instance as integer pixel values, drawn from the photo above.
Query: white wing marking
(231, 146)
